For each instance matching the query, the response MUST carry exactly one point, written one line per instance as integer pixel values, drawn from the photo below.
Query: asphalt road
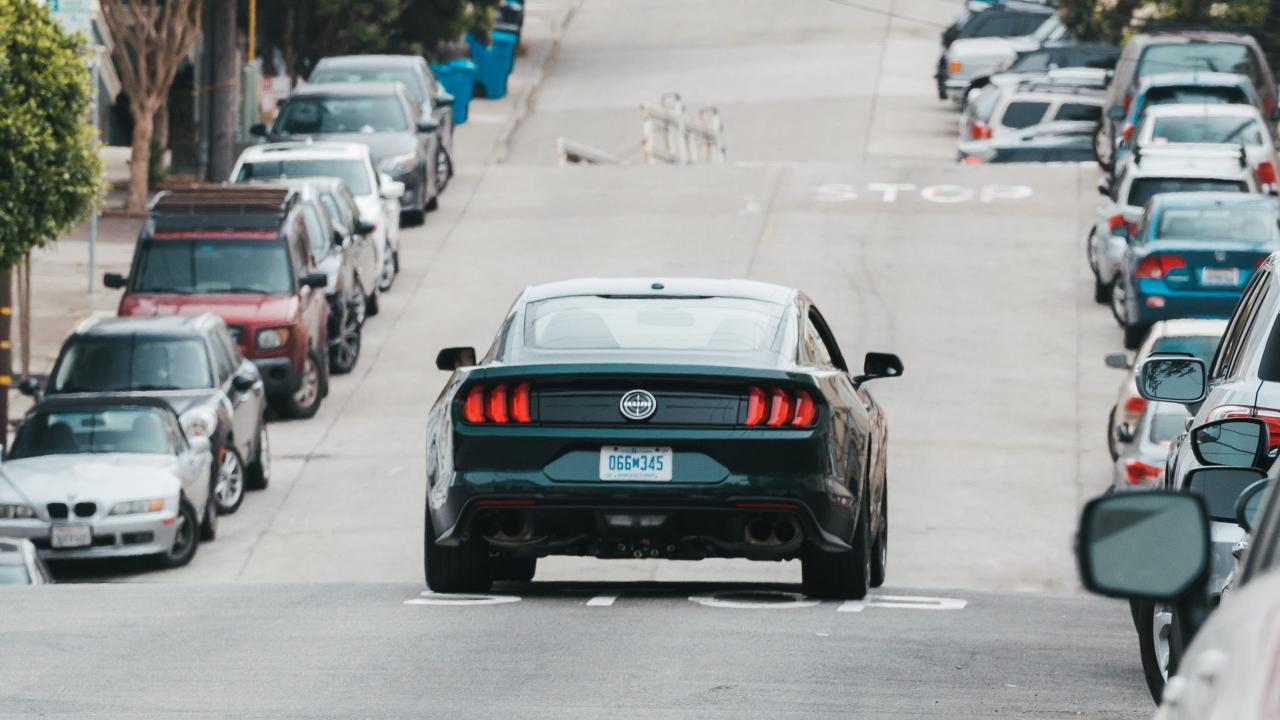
(841, 180)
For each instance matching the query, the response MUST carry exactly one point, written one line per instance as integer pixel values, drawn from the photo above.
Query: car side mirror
(364, 227)
(258, 130)
(879, 365)
(452, 358)
(1119, 361)
(1115, 112)
(1250, 502)
(339, 240)
(427, 124)
(115, 281)
(1144, 546)
(1172, 379)
(444, 99)
(315, 281)
(30, 387)
(243, 381)
(1235, 442)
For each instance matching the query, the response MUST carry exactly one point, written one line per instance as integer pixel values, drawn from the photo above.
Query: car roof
(148, 325)
(1203, 109)
(1170, 37)
(71, 402)
(1186, 165)
(1193, 78)
(304, 150)
(1212, 199)
(661, 287)
(1048, 93)
(369, 61)
(1189, 327)
(349, 89)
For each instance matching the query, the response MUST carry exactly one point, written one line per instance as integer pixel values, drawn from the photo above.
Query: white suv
(377, 195)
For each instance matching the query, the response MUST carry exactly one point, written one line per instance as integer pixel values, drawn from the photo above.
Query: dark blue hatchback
(1191, 257)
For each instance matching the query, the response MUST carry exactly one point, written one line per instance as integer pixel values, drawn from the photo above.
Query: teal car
(680, 419)
(1191, 257)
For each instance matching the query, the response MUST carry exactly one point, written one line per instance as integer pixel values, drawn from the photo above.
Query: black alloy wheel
(345, 352)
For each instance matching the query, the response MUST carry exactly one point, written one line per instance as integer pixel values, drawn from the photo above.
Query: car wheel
(371, 304)
(1111, 435)
(465, 568)
(1119, 301)
(880, 548)
(186, 540)
(434, 203)
(412, 218)
(1101, 291)
(444, 170)
(305, 401)
(388, 276)
(840, 575)
(1134, 335)
(259, 472)
(209, 524)
(514, 569)
(1155, 623)
(228, 488)
(344, 354)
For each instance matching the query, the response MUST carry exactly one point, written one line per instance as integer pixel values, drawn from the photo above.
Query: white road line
(602, 601)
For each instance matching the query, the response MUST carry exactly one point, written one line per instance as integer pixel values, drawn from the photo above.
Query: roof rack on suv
(222, 207)
(1061, 88)
(1216, 151)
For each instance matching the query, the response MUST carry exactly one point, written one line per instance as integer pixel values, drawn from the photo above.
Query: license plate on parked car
(70, 536)
(652, 464)
(1220, 276)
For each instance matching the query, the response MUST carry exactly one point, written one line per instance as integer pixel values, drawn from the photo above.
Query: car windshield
(411, 81)
(92, 431)
(132, 363)
(14, 575)
(1201, 346)
(353, 172)
(712, 324)
(1207, 129)
(1215, 57)
(338, 115)
(1143, 189)
(1220, 490)
(1246, 225)
(213, 266)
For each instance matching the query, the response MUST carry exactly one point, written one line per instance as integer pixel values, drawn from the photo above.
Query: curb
(524, 104)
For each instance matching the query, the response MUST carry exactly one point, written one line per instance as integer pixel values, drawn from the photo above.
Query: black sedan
(678, 419)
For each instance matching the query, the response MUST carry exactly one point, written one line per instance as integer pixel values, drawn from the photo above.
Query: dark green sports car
(674, 419)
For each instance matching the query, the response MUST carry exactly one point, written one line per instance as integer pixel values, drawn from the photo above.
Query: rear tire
(1134, 335)
(514, 569)
(346, 353)
(305, 401)
(880, 548)
(371, 304)
(258, 475)
(465, 568)
(1111, 435)
(209, 524)
(1154, 666)
(229, 481)
(840, 575)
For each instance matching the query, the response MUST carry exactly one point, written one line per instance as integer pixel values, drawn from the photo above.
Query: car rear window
(412, 82)
(596, 323)
(184, 267)
(132, 363)
(1215, 57)
(1196, 96)
(1079, 111)
(352, 172)
(1246, 225)
(1220, 493)
(1143, 189)
(1023, 114)
(1207, 129)
(342, 115)
(1201, 346)
(1042, 154)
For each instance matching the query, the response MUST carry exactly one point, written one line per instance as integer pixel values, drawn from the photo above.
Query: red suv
(241, 253)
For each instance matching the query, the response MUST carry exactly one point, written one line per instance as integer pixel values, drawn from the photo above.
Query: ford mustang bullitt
(679, 419)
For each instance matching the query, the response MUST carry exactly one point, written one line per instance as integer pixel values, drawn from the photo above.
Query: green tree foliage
(50, 173)
(306, 30)
(1114, 20)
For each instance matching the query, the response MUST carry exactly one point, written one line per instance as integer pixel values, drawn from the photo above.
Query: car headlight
(138, 507)
(16, 512)
(399, 164)
(200, 422)
(272, 338)
(954, 66)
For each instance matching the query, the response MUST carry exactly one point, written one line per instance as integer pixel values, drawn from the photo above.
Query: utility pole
(223, 92)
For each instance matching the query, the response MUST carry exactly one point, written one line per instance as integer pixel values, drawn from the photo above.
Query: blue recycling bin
(459, 78)
(493, 62)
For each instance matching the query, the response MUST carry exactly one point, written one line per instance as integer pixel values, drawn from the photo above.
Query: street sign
(74, 15)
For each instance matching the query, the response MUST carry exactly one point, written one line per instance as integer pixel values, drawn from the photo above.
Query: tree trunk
(140, 160)
(222, 134)
(161, 124)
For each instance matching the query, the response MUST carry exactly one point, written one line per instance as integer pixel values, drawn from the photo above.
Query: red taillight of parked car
(1133, 408)
(1269, 416)
(1140, 473)
(500, 404)
(1157, 267)
(776, 407)
(1266, 173)
(980, 131)
(1120, 226)
(1127, 134)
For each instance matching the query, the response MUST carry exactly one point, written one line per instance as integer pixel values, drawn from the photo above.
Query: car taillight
(1128, 132)
(1156, 267)
(1133, 408)
(776, 407)
(979, 131)
(1266, 173)
(500, 404)
(971, 160)
(1140, 473)
(1120, 226)
(1267, 415)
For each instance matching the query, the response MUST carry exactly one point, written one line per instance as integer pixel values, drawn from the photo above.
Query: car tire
(229, 481)
(371, 306)
(880, 547)
(305, 401)
(1134, 335)
(390, 268)
(1111, 435)
(1154, 666)
(209, 523)
(344, 355)
(840, 575)
(514, 569)
(433, 203)
(412, 218)
(187, 540)
(464, 568)
(258, 475)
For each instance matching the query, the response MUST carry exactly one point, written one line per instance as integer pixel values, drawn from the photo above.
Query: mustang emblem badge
(638, 404)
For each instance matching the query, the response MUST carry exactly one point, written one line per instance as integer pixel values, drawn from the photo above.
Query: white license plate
(1220, 276)
(70, 536)
(651, 464)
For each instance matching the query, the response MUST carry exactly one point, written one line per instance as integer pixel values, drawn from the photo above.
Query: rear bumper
(1208, 304)
(278, 375)
(113, 537)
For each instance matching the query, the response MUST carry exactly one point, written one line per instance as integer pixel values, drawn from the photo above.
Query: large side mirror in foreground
(1241, 442)
(1175, 379)
(1144, 546)
(453, 358)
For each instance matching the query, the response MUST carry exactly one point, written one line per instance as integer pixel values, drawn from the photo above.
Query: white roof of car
(1188, 327)
(1194, 163)
(1203, 110)
(304, 151)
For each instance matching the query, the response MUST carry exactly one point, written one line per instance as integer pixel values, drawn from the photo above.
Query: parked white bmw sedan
(107, 476)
